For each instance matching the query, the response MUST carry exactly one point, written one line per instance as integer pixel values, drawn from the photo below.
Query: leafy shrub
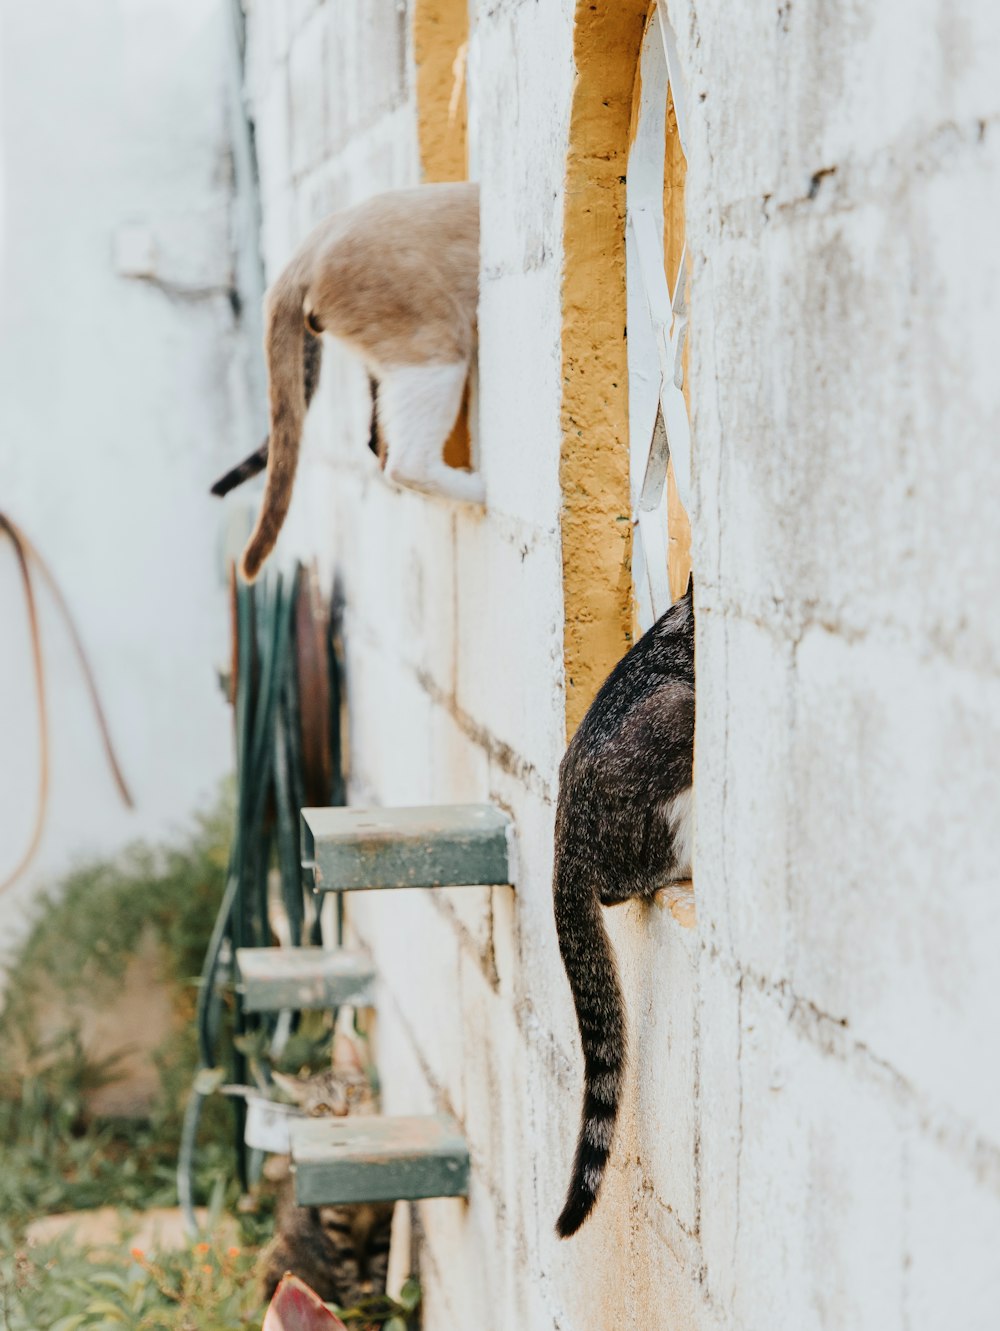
(57, 1156)
(86, 929)
(207, 1287)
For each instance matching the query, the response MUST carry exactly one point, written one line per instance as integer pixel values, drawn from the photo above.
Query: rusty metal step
(304, 978)
(379, 1159)
(444, 845)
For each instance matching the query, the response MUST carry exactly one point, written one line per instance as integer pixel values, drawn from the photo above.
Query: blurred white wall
(121, 397)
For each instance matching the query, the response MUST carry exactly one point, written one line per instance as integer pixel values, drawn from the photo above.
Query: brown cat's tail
(600, 1012)
(284, 347)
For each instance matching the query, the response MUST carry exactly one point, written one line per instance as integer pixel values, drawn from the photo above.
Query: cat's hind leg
(417, 408)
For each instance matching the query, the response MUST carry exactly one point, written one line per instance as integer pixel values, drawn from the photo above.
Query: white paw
(443, 483)
(467, 486)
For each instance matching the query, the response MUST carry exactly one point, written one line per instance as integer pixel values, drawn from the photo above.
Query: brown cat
(397, 278)
(342, 1252)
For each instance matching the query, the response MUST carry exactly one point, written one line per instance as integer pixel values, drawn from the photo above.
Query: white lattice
(659, 429)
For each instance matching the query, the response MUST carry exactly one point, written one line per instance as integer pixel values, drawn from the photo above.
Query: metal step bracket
(444, 845)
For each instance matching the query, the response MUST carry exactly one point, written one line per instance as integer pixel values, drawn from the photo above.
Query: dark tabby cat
(623, 829)
(342, 1252)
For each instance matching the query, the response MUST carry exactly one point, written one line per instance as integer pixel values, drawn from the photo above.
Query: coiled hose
(286, 699)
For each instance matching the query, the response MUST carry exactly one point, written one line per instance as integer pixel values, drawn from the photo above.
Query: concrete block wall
(844, 298)
(810, 1137)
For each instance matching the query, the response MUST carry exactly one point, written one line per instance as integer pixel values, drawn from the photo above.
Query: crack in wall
(503, 754)
(497, 750)
(792, 619)
(481, 956)
(740, 1131)
(831, 1036)
(856, 181)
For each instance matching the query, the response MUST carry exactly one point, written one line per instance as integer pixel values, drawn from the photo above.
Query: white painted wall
(811, 1138)
(120, 400)
(846, 314)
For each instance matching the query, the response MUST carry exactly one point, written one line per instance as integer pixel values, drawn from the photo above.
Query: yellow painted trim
(440, 45)
(440, 42)
(594, 466)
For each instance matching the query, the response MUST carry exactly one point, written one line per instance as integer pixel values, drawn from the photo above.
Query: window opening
(440, 47)
(656, 275)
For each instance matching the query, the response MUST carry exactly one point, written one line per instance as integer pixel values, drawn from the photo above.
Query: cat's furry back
(622, 831)
(342, 1252)
(397, 279)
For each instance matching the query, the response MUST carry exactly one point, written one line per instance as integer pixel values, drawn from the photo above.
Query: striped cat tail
(600, 1013)
(243, 471)
(257, 461)
(284, 345)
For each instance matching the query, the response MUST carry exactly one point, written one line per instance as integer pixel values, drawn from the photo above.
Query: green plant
(206, 1287)
(85, 929)
(57, 1156)
(209, 1286)
(382, 1311)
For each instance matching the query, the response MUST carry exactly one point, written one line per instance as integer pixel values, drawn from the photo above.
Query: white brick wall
(811, 1135)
